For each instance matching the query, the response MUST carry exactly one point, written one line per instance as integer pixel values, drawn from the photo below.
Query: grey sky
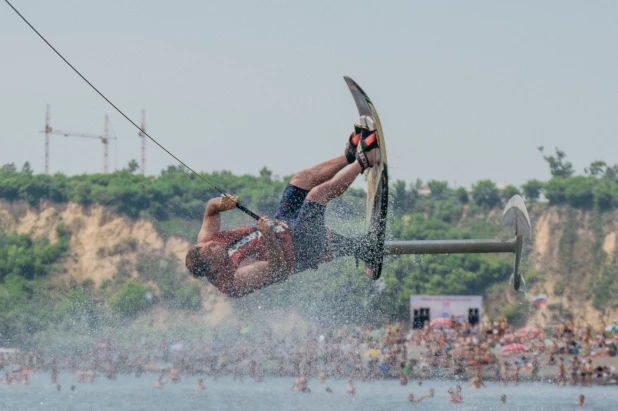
(465, 90)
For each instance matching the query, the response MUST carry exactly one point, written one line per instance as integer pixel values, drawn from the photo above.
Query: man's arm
(275, 256)
(257, 275)
(252, 277)
(211, 224)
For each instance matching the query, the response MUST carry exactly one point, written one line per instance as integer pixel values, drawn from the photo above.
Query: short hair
(197, 265)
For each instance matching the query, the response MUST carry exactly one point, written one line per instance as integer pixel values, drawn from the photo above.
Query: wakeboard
(377, 176)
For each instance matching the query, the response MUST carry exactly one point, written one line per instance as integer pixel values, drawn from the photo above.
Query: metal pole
(141, 134)
(105, 148)
(47, 130)
(451, 246)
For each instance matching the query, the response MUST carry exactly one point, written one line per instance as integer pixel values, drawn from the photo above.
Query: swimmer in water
(328, 390)
(581, 402)
(300, 385)
(58, 387)
(403, 380)
(417, 400)
(350, 389)
(503, 373)
(561, 377)
(200, 385)
(73, 388)
(455, 395)
(477, 381)
(503, 398)
(159, 382)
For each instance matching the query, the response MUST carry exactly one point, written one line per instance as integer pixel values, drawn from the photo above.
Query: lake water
(130, 393)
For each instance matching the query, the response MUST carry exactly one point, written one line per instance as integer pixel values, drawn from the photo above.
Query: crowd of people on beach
(570, 354)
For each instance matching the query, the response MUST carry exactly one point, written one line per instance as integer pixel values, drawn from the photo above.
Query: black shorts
(306, 221)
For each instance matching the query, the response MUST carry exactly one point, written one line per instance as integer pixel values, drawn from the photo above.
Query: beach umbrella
(247, 330)
(612, 327)
(513, 348)
(443, 322)
(372, 353)
(529, 332)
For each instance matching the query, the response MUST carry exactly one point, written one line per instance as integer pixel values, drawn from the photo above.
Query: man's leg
(314, 242)
(336, 186)
(314, 176)
(302, 182)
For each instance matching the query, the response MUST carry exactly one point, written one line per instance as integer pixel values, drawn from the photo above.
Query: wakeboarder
(243, 260)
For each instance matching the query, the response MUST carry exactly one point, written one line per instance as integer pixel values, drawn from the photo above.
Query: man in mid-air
(242, 260)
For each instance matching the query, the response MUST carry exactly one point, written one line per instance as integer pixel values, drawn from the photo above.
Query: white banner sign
(456, 307)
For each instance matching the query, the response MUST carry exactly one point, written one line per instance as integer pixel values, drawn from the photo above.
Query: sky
(465, 90)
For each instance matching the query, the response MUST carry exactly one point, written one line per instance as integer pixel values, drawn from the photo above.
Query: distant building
(424, 191)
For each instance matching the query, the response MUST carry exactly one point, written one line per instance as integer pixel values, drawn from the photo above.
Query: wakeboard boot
(352, 144)
(368, 142)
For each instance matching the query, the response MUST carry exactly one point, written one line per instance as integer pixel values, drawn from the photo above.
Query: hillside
(102, 244)
(97, 252)
(572, 257)
(574, 260)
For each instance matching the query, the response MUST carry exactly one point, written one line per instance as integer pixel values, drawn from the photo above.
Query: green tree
(558, 166)
(30, 259)
(462, 195)
(132, 298)
(508, 192)
(403, 197)
(485, 193)
(532, 189)
(605, 192)
(596, 168)
(76, 303)
(578, 191)
(266, 174)
(189, 297)
(133, 166)
(611, 172)
(555, 189)
(439, 189)
(26, 169)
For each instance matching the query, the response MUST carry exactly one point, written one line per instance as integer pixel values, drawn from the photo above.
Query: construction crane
(105, 138)
(143, 137)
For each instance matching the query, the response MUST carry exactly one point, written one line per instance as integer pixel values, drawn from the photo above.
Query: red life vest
(244, 242)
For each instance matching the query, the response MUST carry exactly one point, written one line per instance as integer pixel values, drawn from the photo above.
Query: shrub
(485, 193)
(508, 192)
(516, 313)
(132, 298)
(189, 297)
(532, 189)
(462, 195)
(75, 303)
(28, 258)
